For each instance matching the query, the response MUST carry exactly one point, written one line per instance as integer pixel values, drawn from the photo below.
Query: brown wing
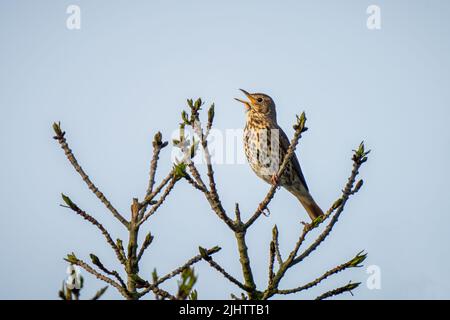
(284, 145)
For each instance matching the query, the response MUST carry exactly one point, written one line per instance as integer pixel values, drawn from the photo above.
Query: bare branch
(99, 293)
(245, 263)
(96, 261)
(346, 193)
(72, 259)
(211, 195)
(158, 144)
(148, 198)
(358, 158)
(276, 244)
(213, 201)
(232, 279)
(347, 288)
(197, 177)
(189, 263)
(147, 241)
(157, 291)
(93, 221)
(271, 261)
(353, 263)
(70, 156)
(154, 286)
(159, 202)
(194, 183)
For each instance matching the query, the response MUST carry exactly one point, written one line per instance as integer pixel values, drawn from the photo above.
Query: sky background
(127, 73)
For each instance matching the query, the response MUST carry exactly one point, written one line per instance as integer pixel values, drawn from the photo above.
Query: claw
(265, 211)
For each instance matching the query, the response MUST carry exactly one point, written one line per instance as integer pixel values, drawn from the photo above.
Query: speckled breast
(261, 146)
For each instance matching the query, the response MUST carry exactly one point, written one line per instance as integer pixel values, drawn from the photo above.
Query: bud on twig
(355, 262)
(71, 258)
(210, 117)
(148, 240)
(57, 129)
(69, 202)
(95, 260)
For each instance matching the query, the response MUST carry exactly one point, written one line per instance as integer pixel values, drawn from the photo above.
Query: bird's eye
(260, 99)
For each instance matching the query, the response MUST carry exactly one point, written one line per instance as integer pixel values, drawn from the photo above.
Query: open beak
(248, 104)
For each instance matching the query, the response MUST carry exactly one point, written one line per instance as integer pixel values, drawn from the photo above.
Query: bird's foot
(264, 211)
(305, 224)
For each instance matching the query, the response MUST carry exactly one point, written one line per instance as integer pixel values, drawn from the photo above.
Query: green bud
(154, 275)
(203, 253)
(215, 249)
(352, 286)
(194, 148)
(198, 103)
(71, 258)
(275, 232)
(185, 117)
(119, 244)
(57, 128)
(157, 140)
(193, 295)
(356, 261)
(301, 122)
(211, 114)
(179, 170)
(69, 202)
(148, 240)
(95, 260)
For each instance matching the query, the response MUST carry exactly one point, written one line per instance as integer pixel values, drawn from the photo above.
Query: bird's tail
(309, 204)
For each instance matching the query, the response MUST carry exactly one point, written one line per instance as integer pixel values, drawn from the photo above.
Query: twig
(157, 146)
(245, 263)
(211, 195)
(157, 291)
(147, 241)
(271, 261)
(98, 275)
(148, 198)
(276, 244)
(197, 177)
(346, 193)
(232, 279)
(189, 263)
(353, 263)
(99, 293)
(159, 202)
(347, 288)
(359, 158)
(93, 221)
(213, 201)
(194, 183)
(96, 261)
(70, 156)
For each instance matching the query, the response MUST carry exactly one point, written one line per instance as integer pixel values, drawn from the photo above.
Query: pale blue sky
(127, 73)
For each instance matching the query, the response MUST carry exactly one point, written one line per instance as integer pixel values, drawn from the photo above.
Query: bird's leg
(274, 179)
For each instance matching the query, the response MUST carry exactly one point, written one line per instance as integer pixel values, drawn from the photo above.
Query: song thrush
(265, 145)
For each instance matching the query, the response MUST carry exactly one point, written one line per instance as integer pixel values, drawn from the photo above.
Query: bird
(265, 145)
